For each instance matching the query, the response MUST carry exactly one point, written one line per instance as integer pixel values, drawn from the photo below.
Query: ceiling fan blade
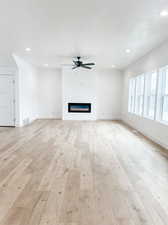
(86, 67)
(74, 67)
(89, 64)
(75, 62)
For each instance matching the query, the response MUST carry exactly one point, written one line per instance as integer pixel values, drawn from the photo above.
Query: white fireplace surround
(79, 86)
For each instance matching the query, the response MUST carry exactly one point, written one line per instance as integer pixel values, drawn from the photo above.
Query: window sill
(149, 118)
(162, 122)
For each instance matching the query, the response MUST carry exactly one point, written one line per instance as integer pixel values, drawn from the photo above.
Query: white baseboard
(23, 125)
(108, 119)
(49, 118)
(152, 138)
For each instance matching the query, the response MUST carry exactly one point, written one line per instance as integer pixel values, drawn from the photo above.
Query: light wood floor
(81, 173)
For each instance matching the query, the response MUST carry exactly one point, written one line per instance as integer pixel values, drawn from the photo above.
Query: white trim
(156, 94)
(13, 97)
(12, 71)
(155, 140)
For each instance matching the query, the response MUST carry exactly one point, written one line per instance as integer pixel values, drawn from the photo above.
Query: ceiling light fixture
(164, 13)
(113, 66)
(46, 65)
(128, 50)
(28, 49)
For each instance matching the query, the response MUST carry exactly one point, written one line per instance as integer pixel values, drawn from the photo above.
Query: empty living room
(84, 112)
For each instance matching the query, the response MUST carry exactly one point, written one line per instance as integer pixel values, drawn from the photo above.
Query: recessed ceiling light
(113, 66)
(46, 65)
(164, 13)
(28, 49)
(128, 50)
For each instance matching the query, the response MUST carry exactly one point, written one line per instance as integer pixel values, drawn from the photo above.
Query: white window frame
(139, 94)
(159, 93)
(163, 72)
(148, 94)
(131, 100)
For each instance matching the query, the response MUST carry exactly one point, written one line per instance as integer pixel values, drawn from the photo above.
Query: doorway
(7, 100)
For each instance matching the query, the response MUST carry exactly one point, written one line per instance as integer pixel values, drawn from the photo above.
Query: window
(162, 100)
(139, 95)
(150, 94)
(131, 103)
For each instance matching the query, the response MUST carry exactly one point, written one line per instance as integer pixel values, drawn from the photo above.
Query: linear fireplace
(79, 107)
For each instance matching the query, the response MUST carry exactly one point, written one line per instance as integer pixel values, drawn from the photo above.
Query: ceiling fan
(79, 63)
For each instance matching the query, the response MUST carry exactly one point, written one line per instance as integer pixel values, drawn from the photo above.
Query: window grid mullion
(148, 93)
(156, 94)
(144, 85)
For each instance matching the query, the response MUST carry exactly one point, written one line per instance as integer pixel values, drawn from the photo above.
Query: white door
(7, 115)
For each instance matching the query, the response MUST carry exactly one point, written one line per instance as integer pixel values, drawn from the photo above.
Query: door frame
(12, 72)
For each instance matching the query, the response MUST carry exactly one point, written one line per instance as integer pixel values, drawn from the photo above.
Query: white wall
(102, 88)
(49, 93)
(79, 86)
(109, 94)
(27, 91)
(7, 62)
(153, 129)
(44, 93)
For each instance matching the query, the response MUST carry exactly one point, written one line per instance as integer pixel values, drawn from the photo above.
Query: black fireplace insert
(79, 107)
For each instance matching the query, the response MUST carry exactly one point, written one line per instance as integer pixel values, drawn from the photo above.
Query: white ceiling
(56, 30)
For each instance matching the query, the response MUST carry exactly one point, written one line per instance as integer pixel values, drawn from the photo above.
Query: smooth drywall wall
(49, 93)
(109, 98)
(27, 89)
(152, 61)
(7, 61)
(101, 87)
